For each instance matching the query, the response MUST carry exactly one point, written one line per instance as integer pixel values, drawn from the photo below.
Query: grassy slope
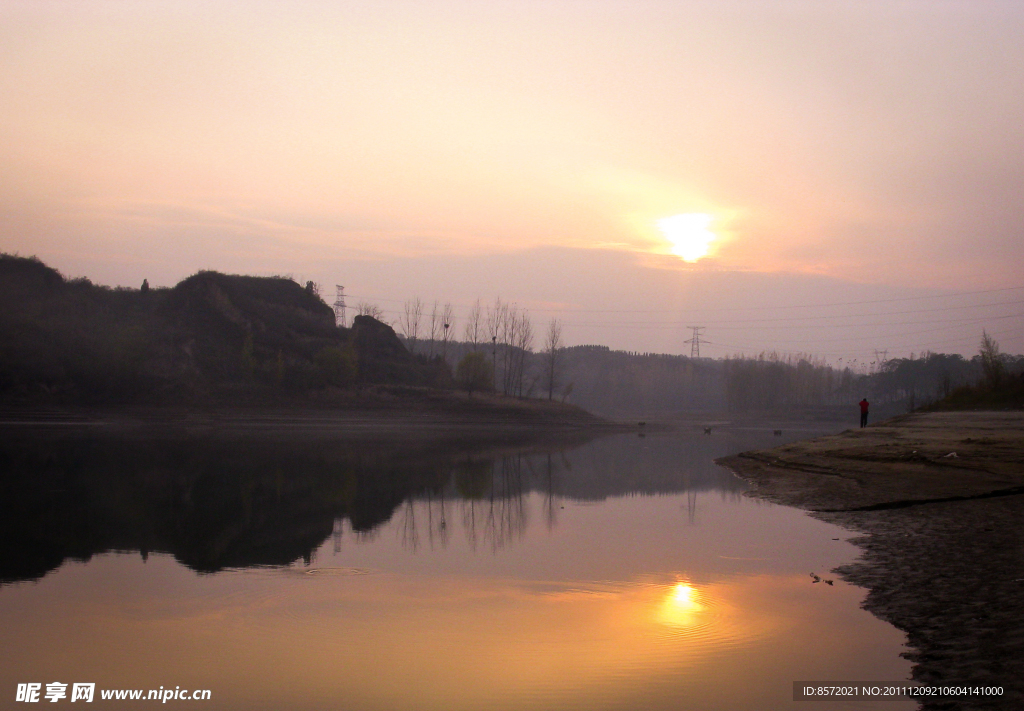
(1007, 395)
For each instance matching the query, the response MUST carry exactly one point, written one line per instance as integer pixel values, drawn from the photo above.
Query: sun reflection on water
(681, 605)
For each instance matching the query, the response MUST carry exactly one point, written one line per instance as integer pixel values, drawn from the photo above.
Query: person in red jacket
(864, 412)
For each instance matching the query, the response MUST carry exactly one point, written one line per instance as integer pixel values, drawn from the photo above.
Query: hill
(211, 338)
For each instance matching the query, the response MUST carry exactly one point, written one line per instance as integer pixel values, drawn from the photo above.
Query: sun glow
(683, 595)
(689, 234)
(681, 606)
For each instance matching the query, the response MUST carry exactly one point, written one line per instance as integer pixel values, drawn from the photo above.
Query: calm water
(297, 570)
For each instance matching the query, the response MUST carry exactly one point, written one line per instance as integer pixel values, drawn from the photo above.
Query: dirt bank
(940, 497)
(379, 409)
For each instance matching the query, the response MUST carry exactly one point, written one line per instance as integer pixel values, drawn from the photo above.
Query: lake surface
(302, 569)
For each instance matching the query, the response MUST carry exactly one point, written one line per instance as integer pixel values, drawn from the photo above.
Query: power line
(956, 324)
(765, 308)
(964, 340)
(796, 322)
(755, 322)
(813, 318)
(675, 325)
(962, 324)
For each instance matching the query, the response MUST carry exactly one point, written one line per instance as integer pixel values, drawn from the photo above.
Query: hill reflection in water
(216, 501)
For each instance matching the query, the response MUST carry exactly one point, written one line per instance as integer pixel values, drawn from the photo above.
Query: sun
(689, 234)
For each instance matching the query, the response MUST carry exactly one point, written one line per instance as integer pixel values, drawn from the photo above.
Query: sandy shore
(940, 499)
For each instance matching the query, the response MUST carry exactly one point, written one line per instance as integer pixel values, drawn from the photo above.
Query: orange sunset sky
(849, 174)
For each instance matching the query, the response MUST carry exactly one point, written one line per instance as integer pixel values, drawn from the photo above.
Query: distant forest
(622, 384)
(224, 338)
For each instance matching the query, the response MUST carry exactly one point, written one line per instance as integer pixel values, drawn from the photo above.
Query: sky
(849, 173)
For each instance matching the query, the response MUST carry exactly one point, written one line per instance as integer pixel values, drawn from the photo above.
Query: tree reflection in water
(219, 501)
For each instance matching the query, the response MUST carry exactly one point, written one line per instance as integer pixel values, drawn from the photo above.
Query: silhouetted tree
(991, 364)
(410, 322)
(447, 328)
(475, 326)
(552, 345)
(372, 310)
(435, 325)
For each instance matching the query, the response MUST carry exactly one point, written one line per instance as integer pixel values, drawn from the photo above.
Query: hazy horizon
(857, 166)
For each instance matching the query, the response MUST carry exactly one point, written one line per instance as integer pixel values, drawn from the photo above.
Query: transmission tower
(339, 306)
(880, 358)
(695, 341)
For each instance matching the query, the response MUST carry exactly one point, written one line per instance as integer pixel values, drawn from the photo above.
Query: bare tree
(475, 327)
(410, 322)
(372, 310)
(495, 318)
(447, 328)
(435, 326)
(552, 344)
(508, 327)
(515, 334)
(991, 363)
(523, 345)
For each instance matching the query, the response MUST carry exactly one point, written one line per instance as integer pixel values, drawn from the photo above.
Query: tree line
(496, 352)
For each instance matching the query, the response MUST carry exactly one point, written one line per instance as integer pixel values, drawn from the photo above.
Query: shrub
(474, 372)
(337, 365)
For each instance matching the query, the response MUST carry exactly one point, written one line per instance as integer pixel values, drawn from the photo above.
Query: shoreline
(938, 499)
(378, 409)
